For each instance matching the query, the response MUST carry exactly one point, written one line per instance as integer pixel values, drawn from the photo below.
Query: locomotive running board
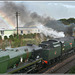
(13, 70)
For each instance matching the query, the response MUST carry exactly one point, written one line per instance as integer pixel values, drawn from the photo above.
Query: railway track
(54, 66)
(25, 67)
(62, 67)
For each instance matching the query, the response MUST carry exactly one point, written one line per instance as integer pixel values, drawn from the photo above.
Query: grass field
(19, 42)
(72, 70)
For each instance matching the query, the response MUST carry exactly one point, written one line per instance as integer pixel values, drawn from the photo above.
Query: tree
(71, 20)
(67, 21)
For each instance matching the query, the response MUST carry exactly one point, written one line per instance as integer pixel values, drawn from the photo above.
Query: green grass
(72, 70)
(27, 39)
(19, 42)
(24, 42)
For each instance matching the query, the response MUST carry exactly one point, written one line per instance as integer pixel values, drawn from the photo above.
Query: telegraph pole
(17, 21)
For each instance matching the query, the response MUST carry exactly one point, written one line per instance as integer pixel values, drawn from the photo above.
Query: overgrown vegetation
(20, 40)
(72, 70)
(68, 21)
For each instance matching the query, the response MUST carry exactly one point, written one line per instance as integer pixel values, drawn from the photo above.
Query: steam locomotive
(55, 49)
(45, 53)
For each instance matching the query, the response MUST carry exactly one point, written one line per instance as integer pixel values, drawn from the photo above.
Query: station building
(21, 30)
(27, 30)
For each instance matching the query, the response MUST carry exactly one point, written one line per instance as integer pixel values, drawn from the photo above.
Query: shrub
(5, 37)
(11, 37)
(0, 37)
(72, 70)
(20, 36)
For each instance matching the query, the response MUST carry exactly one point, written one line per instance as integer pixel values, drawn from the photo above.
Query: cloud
(54, 9)
(62, 9)
(67, 5)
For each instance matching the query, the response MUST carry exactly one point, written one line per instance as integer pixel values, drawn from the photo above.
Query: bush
(24, 35)
(15, 35)
(16, 42)
(5, 37)
(11, 37)
(72, 70)
(0, 37)
(20, 36)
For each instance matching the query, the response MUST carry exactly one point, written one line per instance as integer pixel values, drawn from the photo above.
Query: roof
(30, 48)
(26, 28)
(2, 29)
(13, 52)
(20, 28)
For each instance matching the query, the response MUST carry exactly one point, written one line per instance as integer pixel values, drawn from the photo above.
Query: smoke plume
(50, 32)
(28, 19)
(10, 9)
(69, 30)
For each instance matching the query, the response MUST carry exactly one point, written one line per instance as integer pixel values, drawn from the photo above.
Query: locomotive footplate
(24, 65)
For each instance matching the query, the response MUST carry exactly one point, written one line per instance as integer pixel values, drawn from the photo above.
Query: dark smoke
(69, 30)
(26, 18)
(10, 9)
(29, 24)
(57, 25)
(38, 18)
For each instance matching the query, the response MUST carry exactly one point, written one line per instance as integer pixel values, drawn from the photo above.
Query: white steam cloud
(49, 31)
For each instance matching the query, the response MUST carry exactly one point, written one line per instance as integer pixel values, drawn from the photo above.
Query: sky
(54, 9)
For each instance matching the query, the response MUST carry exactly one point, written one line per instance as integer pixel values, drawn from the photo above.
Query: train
(11, 57)
(45, 53)
(53, 50)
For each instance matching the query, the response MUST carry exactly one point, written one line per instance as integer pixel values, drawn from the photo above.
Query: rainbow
(7, 20)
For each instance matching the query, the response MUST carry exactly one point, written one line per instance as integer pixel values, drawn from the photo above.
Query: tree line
(67, 21)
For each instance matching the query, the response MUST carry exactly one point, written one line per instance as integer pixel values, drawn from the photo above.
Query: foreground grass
(27, 39)
(72, 70)
(19, 42)
(24, 42)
